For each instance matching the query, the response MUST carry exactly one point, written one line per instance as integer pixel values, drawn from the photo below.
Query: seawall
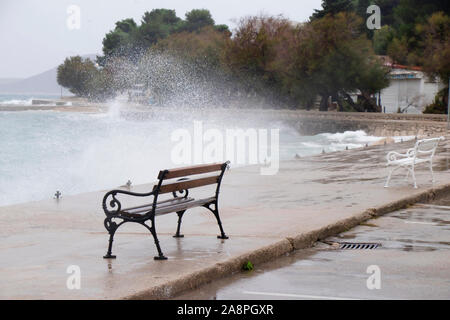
(315, 122)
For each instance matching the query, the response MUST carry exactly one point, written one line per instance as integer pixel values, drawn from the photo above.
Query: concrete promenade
(265, 217)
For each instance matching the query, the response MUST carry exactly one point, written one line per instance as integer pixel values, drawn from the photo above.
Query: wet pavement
(413, 260)
(40, 241)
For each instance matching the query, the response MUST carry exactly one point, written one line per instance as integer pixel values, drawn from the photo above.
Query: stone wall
(377, 124)
(313, 122)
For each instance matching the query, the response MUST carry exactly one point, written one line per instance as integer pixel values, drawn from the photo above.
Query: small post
(448, 105)
(58, 195)
(379, 102)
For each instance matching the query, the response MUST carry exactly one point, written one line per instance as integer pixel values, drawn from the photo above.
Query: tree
(387, 9)
(187, 68)
(332, 7)
(434, 54)
(76, 74)
(398, 50)
(331, 58)
(404, 16)
(131, 40)
(100, 86)
(361, 10)
(251, 54)
(204, 48)
(196, 19)
(434, 40)
(382, 38)
(120, 40)
(157, 24)
(223, 28)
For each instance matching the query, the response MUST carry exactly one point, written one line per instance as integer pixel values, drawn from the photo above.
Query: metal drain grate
(360, 245)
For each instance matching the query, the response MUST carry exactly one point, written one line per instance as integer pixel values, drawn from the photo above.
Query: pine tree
(332, 7)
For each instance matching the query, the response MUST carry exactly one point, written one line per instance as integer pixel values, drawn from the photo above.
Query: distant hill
(8, 80)
(42, 83)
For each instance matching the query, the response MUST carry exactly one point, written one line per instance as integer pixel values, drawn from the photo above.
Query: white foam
(18, 102)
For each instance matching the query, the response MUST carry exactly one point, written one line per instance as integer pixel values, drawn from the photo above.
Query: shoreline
(307, 123)
(130, 107)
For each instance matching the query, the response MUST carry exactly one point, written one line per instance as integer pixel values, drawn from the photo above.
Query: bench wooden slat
(183, 206)
(187, 171)
(160, 210)
(159, 203)
(162, 204)
(187, 184)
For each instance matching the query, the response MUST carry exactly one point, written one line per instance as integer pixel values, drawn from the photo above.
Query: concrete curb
(281, 247)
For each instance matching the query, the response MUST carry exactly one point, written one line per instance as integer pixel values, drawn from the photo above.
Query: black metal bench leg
(160, 255)
(180, 217)
(216, 214)
(222, 233)
(108, 254)
(112, 227)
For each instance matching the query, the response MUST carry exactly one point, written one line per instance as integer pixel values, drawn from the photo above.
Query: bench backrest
(187, 182)
(426, 148)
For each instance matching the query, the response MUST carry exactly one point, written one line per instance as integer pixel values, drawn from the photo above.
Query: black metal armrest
(183, 193)
(115, 202)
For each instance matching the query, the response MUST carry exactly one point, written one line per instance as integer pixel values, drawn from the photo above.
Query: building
(410, 90)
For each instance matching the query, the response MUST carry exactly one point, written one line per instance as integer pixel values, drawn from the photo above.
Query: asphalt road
(412, 261)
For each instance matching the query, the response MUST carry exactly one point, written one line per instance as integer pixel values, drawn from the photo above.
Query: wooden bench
(188, 178)
(422, 153)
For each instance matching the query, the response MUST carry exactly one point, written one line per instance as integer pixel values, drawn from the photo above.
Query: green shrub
(438, 106)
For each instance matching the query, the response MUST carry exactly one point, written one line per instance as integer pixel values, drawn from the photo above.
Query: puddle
(410, 248)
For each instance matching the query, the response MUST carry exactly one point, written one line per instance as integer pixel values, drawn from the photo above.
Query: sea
(42, 152)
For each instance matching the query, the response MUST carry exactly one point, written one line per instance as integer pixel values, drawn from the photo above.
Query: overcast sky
(34, 34)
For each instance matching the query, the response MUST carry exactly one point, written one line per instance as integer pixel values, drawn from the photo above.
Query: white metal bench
(423, 152)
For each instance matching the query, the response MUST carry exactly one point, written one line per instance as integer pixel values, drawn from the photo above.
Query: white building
(410, 90)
